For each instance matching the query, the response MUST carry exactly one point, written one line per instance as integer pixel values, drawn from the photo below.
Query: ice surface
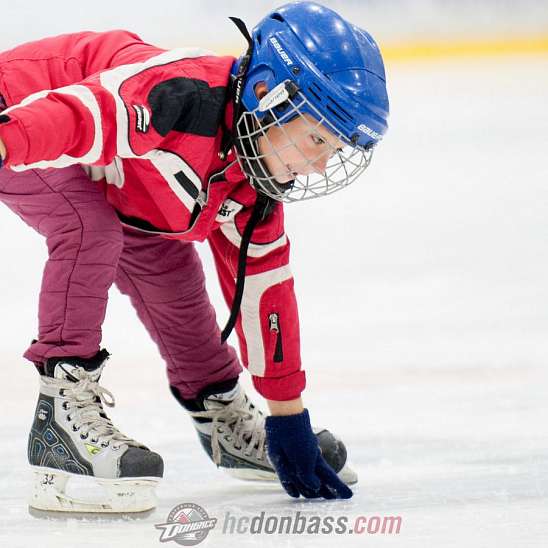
(423, 293)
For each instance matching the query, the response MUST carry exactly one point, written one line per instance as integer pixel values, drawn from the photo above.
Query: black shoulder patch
(187, 105)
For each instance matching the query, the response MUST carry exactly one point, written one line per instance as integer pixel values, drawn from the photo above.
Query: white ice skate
(231, 431)
(73, 439)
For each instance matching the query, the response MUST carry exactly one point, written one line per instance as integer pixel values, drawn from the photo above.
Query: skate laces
(83, 400)
(244, 426)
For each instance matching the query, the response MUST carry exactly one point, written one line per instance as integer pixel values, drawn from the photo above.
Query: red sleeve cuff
(281, 388)
(15, 138)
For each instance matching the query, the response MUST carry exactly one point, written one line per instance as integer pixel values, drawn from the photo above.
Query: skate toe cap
(333, 450)
(137, 462)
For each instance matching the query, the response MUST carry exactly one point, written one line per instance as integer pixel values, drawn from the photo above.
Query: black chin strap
(261, 210)
(263, 205)
(237, 88)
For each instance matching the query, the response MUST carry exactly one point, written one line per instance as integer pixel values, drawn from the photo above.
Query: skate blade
(249, 474)
(116, 496)
(63, 515)
(346, 474)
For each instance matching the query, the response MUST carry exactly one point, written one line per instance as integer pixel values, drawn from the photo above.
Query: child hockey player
(122, 155)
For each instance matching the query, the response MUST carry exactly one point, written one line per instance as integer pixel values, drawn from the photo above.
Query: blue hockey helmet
(312, 62)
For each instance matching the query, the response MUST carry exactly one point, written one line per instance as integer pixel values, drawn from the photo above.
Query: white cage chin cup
(282, 104)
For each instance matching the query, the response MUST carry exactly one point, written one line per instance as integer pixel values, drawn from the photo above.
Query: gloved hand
(294, 452)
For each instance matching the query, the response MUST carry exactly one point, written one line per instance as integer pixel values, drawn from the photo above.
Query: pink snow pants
(89, 250)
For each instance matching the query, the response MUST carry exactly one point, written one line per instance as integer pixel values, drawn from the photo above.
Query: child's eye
(317, 140)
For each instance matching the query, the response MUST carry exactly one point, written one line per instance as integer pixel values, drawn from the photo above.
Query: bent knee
(89, 227)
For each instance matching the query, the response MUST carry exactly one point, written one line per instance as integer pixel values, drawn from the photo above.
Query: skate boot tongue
(220, 400)
(68, 368)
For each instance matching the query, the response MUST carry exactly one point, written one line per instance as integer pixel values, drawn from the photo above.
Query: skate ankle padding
(197, 403)
(89, 364)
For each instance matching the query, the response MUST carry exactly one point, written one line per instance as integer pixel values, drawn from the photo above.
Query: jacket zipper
(274, 321)
(201, 200)
(201, 203)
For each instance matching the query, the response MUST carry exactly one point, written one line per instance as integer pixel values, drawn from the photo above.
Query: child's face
(299, 147)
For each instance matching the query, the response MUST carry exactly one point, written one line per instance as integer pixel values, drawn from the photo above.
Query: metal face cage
(254, 149)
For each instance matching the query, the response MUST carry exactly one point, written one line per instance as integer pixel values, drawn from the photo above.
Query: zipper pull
(274, 325)
(201, 199)
(274, 321)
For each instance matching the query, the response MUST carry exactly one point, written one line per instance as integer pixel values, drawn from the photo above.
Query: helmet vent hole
(335, 113)
(341, 111)
(277, 17)
(317, 97)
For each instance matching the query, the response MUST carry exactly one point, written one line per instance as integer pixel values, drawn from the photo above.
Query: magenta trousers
(89, 250)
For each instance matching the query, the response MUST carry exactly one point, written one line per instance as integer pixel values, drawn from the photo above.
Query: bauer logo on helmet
(368, 131)
(281, 51)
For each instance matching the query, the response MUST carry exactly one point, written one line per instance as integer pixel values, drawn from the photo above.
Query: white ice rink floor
(423, 293)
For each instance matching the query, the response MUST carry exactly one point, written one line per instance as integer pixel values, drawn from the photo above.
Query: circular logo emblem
(187, 524)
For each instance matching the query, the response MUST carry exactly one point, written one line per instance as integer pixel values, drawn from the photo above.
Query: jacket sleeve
(106, 114)
(268, 323)
(59, 61)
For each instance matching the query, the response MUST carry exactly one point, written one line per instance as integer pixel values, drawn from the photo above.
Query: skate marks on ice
(458, 460)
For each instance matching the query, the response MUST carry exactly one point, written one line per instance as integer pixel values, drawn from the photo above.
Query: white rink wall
(182, 22)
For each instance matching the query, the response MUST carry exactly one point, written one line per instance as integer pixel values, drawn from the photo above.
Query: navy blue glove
(294, 452)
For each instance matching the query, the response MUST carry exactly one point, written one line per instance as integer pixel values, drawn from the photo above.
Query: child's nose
(320, 164)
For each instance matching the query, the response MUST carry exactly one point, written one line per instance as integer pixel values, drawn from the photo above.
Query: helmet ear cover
(275, 103)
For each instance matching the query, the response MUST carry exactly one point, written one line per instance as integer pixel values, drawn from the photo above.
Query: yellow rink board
(466, 48)
(451, 47)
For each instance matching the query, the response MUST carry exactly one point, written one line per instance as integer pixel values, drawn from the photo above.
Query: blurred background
(423, 288)
(173, 23)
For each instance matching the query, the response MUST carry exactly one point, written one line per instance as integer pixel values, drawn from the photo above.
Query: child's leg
(165, 282)
(84, 239)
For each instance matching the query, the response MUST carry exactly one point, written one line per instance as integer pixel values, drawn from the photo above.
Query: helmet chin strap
(262, 208)
(237, 88)
(263, 204)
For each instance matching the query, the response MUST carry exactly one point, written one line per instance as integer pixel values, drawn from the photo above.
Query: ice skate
(72, 439)
(231, 431)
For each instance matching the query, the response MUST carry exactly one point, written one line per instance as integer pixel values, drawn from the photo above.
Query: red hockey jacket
(147, 124)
